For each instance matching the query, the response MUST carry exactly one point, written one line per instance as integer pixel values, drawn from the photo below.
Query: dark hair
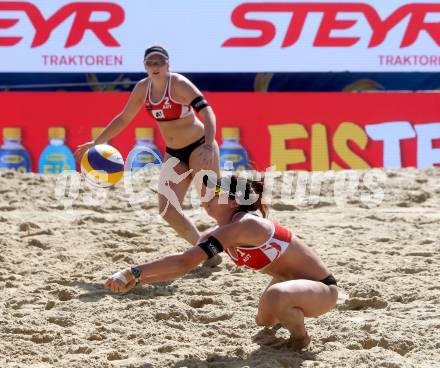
(253, 188)
(156, 49)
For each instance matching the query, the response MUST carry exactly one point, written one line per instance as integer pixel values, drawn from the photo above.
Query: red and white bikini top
(166, 109)
(258, 257)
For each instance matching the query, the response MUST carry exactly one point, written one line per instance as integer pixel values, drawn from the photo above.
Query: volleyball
(102, 165)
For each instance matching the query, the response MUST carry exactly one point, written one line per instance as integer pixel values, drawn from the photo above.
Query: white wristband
(120, 276)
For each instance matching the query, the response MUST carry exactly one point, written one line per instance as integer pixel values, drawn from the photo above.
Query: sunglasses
(217, 187)
(158, 62)
(218, 191)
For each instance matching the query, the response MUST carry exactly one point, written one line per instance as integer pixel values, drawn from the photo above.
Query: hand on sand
(82, 148)
(121, 282)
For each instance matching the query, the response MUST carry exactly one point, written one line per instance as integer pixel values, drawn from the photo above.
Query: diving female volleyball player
(301, 285)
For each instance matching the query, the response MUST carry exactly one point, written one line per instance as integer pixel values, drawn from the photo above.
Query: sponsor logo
(233, 157)
(56, 157)
(81, 13)
(146, 158)
(12, 159)
(158, 114)
(213, 249)
(413, 15)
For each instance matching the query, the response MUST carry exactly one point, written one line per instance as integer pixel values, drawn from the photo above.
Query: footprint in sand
(419, 254)
(361, 303)
(427, 241)
(376, 218)
(200, 303)
(49, 305)
(19, 331)
(24, 304)
(409, 270)
(96, 337)
(363, 297)
(38, 243)
(8, 208)
(79, 350)
(26, 226)
(116, 355)
(418, 196)
(95, 219)
(65, 295)
(331, 338)
(421, 180)
(126, 233)
(400, 346)
(111, 244)
(166, 349)
(177, 326)
(405, 298)
(213, 317)
(383, 239)
(61, 321)
(279, 206)
(176, 316)
(41, 338)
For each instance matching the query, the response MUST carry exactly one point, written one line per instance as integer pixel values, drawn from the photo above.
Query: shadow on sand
(94, 292)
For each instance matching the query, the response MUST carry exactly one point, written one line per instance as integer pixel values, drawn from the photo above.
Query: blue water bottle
(145, 152)
(13, 155)
(233, 156)
(56, 157)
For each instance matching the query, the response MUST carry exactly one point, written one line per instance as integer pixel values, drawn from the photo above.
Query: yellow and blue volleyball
(102, 165)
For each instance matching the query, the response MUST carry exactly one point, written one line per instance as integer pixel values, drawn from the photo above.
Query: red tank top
(258, 257)
(166, 109)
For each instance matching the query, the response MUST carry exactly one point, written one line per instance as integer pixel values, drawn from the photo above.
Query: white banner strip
(221, 35)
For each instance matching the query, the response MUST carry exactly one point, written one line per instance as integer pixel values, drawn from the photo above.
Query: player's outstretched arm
(164, 269)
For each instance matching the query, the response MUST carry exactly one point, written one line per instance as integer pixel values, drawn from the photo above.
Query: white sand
(55, 313)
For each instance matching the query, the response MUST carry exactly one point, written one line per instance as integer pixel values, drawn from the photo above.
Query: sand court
(55, 312)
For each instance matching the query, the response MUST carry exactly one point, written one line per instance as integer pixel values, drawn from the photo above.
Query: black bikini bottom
(329, 280)
(183, 153)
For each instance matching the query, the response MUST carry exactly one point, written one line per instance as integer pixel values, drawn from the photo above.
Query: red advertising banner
(293, 131)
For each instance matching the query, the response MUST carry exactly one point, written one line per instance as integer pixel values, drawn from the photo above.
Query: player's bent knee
(273, 298)
(265, 321)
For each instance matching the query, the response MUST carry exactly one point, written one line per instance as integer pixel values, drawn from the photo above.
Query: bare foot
(213, 262)
(300, 343)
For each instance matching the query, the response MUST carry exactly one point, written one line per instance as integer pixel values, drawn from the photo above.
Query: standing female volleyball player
(301, 285)
(172, 100)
